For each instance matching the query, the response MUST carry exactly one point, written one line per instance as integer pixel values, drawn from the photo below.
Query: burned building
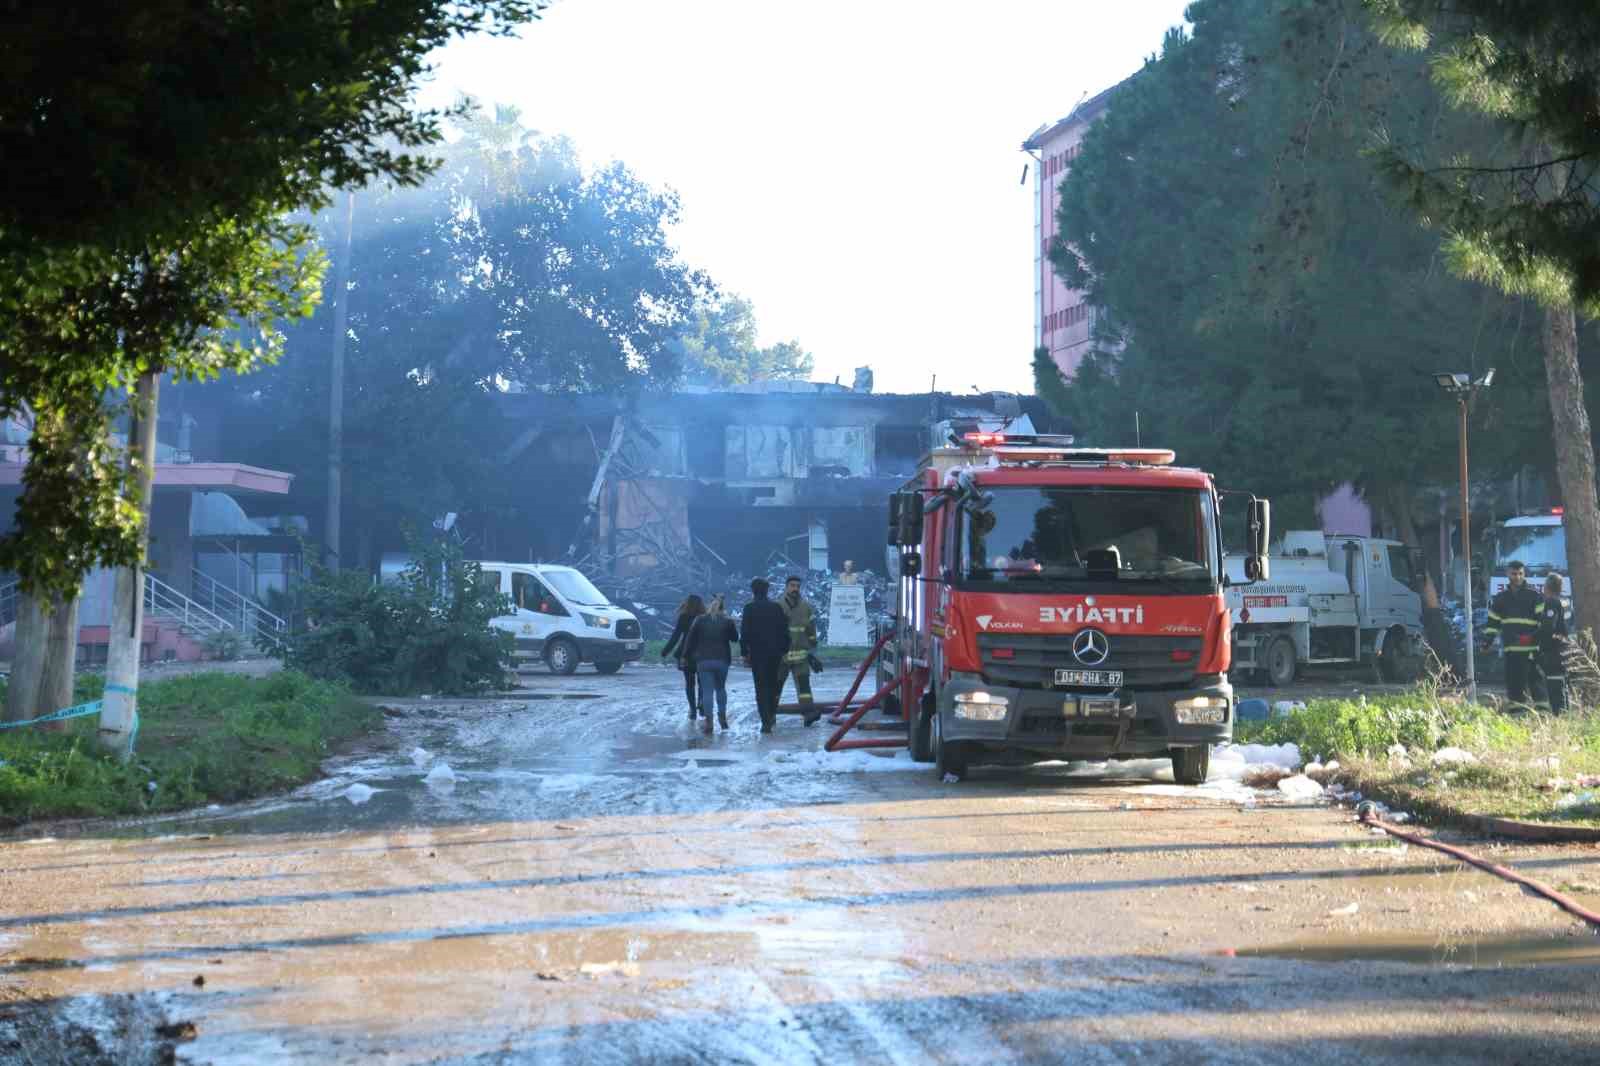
(732, 480)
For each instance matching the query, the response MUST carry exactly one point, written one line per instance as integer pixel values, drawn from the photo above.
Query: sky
(852, 166)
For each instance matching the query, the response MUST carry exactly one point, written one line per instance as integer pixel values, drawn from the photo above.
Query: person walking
(1552, 616)
(710, 641)
(802, 621)
(1513, 615)
(763, 640)
(678, 647)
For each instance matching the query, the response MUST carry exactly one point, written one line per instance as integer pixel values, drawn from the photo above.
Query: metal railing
(254, 622)
(164, 603)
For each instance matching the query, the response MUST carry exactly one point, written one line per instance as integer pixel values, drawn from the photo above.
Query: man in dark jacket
(763, 640)
(1552, 615)
(1514, 615)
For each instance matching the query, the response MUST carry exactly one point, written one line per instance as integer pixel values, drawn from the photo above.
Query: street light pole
(1466, 551)
(1463, 388)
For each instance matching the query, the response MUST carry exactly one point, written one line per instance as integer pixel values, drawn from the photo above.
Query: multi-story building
(1062, 316)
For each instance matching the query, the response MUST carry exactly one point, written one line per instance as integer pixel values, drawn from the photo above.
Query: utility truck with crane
(1056, 602)
(1333, 599)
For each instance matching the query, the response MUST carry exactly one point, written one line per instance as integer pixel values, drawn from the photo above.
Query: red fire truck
(1055, 602)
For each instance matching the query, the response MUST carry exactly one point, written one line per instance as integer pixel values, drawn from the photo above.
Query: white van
(560, 617)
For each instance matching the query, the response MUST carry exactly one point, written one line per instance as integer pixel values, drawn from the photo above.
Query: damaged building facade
(659, 492)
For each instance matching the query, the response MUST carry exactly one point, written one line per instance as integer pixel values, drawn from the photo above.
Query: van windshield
(575, 588)
(1162, 538)
(1542, 549)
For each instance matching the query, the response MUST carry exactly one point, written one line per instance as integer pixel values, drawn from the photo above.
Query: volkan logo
(984, 620)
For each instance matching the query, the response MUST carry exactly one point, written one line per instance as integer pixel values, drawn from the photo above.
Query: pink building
(1062, 317)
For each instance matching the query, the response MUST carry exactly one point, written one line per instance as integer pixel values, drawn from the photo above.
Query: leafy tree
(427, 632)
(144, 135)
(512, 268)
(1526, 218)
(1268, 312)
(719, 346)
(1048, 383)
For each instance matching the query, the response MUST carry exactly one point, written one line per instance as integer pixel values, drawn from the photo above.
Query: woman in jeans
(710, 641)
(678, 647)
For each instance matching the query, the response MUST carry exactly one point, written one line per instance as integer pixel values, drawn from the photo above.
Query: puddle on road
(1474, 952)
(519, 697)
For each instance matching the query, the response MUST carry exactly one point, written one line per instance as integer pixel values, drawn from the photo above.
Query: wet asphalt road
(575, 876)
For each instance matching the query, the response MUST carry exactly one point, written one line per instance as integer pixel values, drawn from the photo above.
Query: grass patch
(205, 738)
(1518, 755)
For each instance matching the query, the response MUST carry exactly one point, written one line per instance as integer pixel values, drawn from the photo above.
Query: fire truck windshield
(1542, 549)
(1164, 538)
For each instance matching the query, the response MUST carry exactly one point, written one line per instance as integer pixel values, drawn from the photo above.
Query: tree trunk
(119, 713)
(32, 639)
(60, 661)
(1574, 464)
(1397, 501)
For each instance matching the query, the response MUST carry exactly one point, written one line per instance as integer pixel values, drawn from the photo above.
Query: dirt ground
(574, 875)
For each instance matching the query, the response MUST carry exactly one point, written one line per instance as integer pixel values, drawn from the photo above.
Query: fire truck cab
(1059, 602)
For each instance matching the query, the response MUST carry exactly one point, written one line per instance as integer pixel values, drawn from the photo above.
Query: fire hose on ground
(1367, 812)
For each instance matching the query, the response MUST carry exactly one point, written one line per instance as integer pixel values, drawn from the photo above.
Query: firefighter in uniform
(802, 639)
(1514, 615)
(1552, 615)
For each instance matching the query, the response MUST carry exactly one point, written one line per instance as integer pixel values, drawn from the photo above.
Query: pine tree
(1525, 219)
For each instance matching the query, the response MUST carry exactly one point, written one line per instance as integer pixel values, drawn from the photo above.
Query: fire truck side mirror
(907, 517)
(1258, 535)
(910, 564)
(895, 499)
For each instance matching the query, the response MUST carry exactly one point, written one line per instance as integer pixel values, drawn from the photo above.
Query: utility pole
(1464, 389)
(119, 711)
(341, 317)
(1466, 553)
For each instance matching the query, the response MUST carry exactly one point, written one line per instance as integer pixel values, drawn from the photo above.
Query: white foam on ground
(841, 762)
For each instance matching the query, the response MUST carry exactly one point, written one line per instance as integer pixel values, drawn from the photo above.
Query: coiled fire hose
(1368, 813)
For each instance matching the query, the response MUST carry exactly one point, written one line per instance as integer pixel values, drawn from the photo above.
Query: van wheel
(922, 733)
(1280, 660)
(1191, 766)
(561, 656)
(947, 758)
(607, 668)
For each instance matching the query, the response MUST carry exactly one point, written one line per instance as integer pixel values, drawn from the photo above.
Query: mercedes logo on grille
(1090, 647)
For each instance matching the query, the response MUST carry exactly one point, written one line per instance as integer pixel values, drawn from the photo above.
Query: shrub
(1418, 720)
(427, 632)
(224, 645)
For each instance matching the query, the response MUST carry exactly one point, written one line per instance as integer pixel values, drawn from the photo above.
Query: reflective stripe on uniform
(1520, 649)
(1520, 621)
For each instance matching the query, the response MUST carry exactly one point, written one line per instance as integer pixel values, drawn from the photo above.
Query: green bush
(205, 738)
(1418, 720)
(427, 632)
(224, 645)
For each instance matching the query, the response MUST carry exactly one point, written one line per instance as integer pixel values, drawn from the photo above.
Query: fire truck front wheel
(948, 759)
(1191, 766)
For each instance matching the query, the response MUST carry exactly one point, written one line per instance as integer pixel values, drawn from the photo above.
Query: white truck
(1331, 599)
(1539, 543)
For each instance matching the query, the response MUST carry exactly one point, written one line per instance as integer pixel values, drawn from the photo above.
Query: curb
(1439, 815)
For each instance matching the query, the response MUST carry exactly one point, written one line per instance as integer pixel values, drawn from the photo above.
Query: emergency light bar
(1042, 447)
(990, 440)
